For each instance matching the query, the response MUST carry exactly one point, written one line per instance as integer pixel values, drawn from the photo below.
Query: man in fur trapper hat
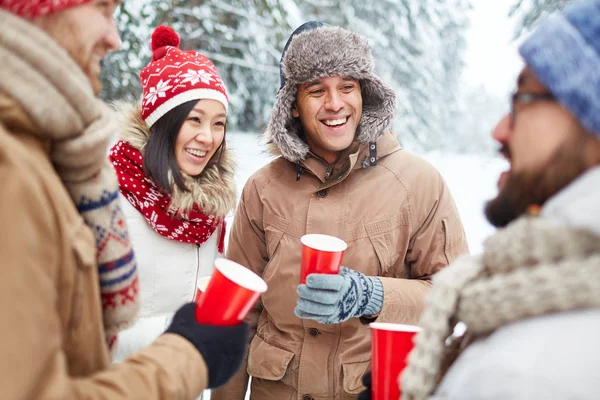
(531, 302)
(68, 275)
(339, 172)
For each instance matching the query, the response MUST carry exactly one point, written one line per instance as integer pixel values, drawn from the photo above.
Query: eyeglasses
(526, 98)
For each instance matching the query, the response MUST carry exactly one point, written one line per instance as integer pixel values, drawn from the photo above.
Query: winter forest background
(418, 45)
(419, 48)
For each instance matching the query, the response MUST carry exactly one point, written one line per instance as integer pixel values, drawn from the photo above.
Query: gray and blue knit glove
(330, 299)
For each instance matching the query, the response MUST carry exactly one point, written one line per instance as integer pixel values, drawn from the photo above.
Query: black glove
(223, 347)
(366, 394)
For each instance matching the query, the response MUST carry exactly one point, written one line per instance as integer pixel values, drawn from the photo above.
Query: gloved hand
(330, 299)
(222, 347)
(366, 394)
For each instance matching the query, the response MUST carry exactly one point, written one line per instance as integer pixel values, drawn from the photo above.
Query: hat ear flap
(379, 107)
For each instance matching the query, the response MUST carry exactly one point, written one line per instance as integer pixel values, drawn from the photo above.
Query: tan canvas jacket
(401, 224)
(52, 340)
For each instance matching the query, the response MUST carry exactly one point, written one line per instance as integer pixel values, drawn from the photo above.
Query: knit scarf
(532, 267)
(57, 96)
(187, 226)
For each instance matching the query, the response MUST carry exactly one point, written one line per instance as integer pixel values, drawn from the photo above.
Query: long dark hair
(160, 163)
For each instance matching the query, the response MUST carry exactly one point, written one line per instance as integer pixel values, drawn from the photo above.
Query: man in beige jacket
(340, 172)
(68, 279)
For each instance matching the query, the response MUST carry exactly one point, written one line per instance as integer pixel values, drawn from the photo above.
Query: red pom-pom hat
(174, 77)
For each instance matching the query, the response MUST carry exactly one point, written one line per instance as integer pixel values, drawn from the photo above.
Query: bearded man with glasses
(531, 302)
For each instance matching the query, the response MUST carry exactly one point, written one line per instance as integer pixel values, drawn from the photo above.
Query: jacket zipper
(197, 268)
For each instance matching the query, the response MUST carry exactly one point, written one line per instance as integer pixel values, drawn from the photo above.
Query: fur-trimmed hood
(317, 50)
(214, 190)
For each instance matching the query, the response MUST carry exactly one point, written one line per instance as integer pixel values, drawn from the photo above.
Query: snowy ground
(472, 179)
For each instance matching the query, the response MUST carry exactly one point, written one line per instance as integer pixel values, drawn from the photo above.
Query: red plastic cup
(390, 345)
(321, 254)
(230, 294)
(201, 285)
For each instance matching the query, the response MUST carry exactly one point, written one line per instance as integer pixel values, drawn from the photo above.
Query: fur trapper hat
(316, 50)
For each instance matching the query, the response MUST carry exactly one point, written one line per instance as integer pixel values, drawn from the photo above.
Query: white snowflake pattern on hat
(196, 76)
(157, 91)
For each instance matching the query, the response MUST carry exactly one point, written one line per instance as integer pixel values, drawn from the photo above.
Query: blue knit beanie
(564, 54)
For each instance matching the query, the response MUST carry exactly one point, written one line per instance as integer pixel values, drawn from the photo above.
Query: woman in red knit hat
(177, 179)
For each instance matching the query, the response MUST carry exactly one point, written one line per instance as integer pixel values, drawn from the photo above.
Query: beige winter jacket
(401, 224)
(52, 342)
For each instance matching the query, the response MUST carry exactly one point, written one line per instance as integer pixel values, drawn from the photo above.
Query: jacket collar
(353, 158)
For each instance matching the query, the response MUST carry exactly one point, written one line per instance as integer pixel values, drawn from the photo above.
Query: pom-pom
(164, 36)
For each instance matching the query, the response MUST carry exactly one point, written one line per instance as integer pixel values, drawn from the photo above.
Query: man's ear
(295, 112)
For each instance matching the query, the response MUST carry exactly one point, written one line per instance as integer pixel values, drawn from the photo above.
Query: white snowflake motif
(155, 226)
(158, 91)
(196, 76)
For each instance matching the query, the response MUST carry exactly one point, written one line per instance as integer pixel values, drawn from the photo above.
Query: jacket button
(322, 193)
(307, 397)
(313, 332)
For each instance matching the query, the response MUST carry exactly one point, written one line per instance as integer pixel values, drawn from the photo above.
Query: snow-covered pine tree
(244, 40)
(417, 44)
(120, 73)
(529, 12)
(439, 28)
(418, 48)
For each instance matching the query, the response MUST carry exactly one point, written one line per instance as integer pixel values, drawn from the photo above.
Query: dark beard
(524, 189)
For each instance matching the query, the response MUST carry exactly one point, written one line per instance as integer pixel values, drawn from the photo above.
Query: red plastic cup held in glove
(230, 294)
(321, 254)
(390, 345)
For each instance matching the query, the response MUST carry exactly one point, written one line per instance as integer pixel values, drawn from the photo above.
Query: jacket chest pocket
(280, 237)
(386, 240)
(272, 237)
(275, 228)
(381, 247)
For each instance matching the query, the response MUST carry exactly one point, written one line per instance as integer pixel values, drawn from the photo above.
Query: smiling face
(87, 32)
(200, 136)
(330, 110)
